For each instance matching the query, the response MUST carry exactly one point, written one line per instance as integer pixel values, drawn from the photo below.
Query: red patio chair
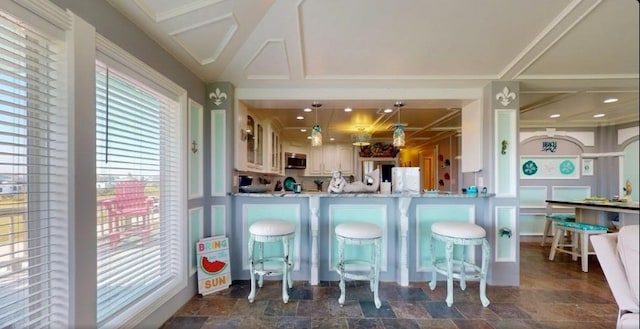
(129, 212)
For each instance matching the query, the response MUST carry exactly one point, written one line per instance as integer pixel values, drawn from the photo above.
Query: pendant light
(361, 138)
(398, 129)
(316, 131)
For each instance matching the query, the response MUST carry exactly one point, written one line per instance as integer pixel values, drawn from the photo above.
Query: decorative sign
(214, 268)
(587, 167)
(379, 150)
(549, 146)
(549, 167)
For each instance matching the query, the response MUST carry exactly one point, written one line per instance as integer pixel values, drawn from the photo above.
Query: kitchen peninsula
(405, 218)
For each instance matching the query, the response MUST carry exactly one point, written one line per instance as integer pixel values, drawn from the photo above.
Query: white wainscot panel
(426, 215)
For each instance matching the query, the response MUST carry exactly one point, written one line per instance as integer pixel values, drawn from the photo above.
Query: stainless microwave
(295, 160)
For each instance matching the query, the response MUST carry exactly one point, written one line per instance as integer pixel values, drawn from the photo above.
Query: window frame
(110, 54)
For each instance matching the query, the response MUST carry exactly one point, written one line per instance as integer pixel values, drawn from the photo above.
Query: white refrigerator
(405, 179)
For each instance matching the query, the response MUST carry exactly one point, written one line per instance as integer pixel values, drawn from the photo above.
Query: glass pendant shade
(361, 139)
(316, 136)
(316, 131)
(398, 136)
(398, 129)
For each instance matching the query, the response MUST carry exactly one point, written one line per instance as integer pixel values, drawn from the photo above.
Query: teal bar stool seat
(464, 234)
(548, 225)
(271, 231)
(359, 233)
(579, 232)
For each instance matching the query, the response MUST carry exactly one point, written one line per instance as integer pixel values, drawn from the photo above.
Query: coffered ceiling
(435, 55)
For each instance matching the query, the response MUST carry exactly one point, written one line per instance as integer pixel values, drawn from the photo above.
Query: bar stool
(270, 231)
(579, 231)
(465, 234)
(548, 225)
(358, 233)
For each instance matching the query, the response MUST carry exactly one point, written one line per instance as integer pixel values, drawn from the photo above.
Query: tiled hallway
(551, 295)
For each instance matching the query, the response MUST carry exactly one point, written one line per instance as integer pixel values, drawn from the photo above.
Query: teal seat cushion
(582, 226)
(562, 217)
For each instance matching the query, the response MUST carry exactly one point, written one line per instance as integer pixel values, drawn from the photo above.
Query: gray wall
(111, 24)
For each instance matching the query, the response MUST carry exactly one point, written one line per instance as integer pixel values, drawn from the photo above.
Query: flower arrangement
(318, 183)
(627, 188)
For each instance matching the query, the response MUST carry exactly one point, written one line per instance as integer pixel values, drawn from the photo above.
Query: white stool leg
(252, 295)
(285, 269)
(556, 239)
(575, 238)
(434, 274)
(341, 271)
(290, 260)
(486, 253)
(377, 252)
(546, 232)
(463, 270)
(584, 239)
(261, 253)
(372, 267)
(449, 259)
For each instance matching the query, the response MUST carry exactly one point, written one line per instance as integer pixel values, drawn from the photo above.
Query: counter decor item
(385, 188)
(627, 191)
(253, 189)
(288, 183)
(318, 183)
(338, 184)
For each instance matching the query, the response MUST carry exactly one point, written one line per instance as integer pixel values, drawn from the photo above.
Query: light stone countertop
(306, 194)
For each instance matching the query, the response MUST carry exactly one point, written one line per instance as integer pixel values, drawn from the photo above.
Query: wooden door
(428, 174)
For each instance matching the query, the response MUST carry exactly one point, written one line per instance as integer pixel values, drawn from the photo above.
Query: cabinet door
(275, 152)
(251, 140)
(315, 161)
(330, 161)
(344, 159)
(259, 145)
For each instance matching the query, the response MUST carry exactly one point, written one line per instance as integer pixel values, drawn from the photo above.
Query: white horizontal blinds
(33, 181)
(137, 179)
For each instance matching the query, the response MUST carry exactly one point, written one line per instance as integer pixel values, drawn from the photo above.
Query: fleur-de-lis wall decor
(218, 97)
(506, 96)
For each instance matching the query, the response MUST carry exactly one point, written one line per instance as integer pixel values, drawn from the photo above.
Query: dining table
(597, 211)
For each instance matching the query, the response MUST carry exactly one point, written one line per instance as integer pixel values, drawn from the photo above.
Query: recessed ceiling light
(553, 116)
(610, 100)
(307, 110)
(300, 117)
(388, 110)
(308, 137)
(599, 115)
(303, 130)
(332, 139)
(348, 109)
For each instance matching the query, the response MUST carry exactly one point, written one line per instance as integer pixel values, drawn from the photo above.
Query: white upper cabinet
(274, 151)
(258, 144)
(323, 160)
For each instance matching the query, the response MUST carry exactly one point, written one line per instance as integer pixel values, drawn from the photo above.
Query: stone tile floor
(551, 295)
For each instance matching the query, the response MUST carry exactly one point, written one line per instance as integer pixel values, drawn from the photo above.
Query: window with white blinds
(33, 181)
(139, 173)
